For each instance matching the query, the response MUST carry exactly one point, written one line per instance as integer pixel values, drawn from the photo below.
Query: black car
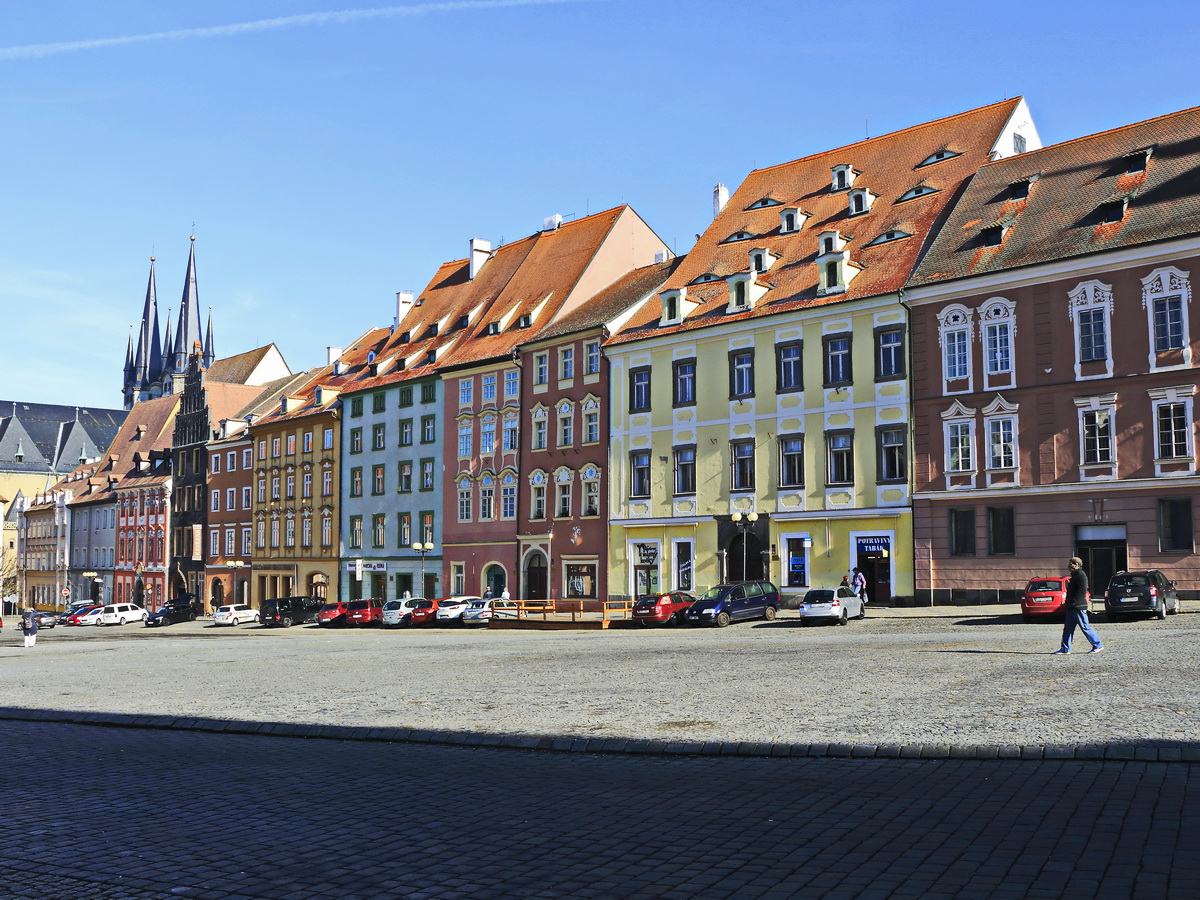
(170, 614)
(287, 611)
(1142, 591)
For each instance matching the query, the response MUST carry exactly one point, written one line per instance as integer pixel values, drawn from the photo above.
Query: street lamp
(91, 578)
(237, 565)
(744, 524)
(422, 548)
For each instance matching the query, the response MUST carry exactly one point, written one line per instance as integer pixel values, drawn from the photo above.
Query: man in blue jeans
(1077, 609)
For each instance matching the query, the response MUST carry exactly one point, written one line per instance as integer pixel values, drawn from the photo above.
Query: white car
(480, 612)
(120, 613)
(93, 617)
(394, 611)
(235, 614)
(451, 609)
(835, 603)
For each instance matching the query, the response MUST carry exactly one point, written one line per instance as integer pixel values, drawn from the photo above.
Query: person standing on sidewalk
(29, 626)
(1077, 609)
(859, 582)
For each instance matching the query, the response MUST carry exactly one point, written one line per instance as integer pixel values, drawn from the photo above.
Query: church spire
(188, 330)
(143, 364)
(209, 354)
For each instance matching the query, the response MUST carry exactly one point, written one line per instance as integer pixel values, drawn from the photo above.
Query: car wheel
(843, 618)
(722, 619)
(769, 613)
(1161, 612)
(286, 621)
(120, 621)
(862, 612)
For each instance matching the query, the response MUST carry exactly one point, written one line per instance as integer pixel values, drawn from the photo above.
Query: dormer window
(843, 177)
(1019, 190)
(761, 259)
(675, 306)
(762, 202)
(525, 321)
(938, 157)
(791, 220)
(919, 191)
(827, 245)
(1136, 162)
(993, 235)
(831, 242)
(1113, 211)
(463, 321)
(493, 328)
(705, 278)
(739, 235)
(431, 356)
(860, 201)
(370, 356)
(406, 337)
(892, 234)
(433, 329)
(739, 293)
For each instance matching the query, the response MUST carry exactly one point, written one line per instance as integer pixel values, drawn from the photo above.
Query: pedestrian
(845, 581)
(1077, 609)
(408, 595)
(487, 594)
(859, 583)
(504, 595)
(29, 625)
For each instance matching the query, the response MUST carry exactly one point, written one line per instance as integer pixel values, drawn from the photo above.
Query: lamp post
(237, 565)
(744, 524)
(91, 578)
(422, 548)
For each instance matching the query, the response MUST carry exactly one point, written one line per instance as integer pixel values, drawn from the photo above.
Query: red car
(665, 609)
(424, 612)
(74, 618)
(1045, 597)
(364, 612)
(333, 613)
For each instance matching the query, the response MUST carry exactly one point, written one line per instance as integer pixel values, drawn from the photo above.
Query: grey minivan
(734, 602)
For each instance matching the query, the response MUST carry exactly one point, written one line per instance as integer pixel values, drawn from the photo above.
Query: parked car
(481, 612)
(664, 609)
(71, 610)
(364, 612)
(46, 619)
(734, 602)
(394, 611)
(120, 613)
(89, 616)
(837, 604)
(333, 613)
(1044, 597)
(1141, 591)
(170, 614)
(235, 614)
(450, 609)
(288, 611)
(422, 612)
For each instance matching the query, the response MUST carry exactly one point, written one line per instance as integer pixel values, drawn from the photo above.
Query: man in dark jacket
(1077, 609)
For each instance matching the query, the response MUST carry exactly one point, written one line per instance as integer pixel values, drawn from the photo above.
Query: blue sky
(331, 153)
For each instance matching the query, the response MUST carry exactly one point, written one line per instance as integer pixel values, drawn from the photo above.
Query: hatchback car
(120, 613)
(395, 611)
(363, 612)
(46, 619)
(170, 614)
(333, 613)
(831, 604)
(1044, 597)
(71, 610)
(665, 609)
(235, 614)
(450, 609)
(89, 616)
(1143, 591)
(421, 612)
(734, 602)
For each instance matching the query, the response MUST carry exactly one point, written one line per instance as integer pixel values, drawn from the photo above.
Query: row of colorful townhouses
(947, 356)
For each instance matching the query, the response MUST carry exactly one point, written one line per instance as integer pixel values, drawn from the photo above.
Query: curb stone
(1115, 752)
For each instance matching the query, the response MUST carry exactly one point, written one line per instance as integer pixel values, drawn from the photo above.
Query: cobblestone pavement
(139, 814)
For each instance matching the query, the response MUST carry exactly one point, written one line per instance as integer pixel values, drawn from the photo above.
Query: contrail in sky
(35, 51)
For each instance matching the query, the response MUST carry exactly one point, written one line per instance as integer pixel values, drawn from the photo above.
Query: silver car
(839, 604)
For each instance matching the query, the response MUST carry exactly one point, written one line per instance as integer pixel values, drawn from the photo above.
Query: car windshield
(478, 604)
(330, 607)
(391, 604)
(1046, 584)
(714, 593)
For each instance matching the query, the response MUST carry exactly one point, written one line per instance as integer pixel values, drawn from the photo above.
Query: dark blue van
(733, 603)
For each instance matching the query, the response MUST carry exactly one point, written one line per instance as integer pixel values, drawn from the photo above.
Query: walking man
(859, 582)
(1077, 609)
(29, 625)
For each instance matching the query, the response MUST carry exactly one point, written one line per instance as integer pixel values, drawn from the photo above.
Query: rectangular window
(837, 360)
(428, 429)
(962, 532)
(356, 482)
(683, 565)
(592, 358)
(741, 473)
(1172, 431)
(464, 438)
(356, 407)
(1093, 335)
(1097, 437)
(791, 461)
(591, 498)
(230, 542)
(231, 498)
(892, 454)
(327, 439)
(307, 443)
(406, 432)
(489, 386)
(291, 445)
(997, 338)
(591, 427)
(960, 447)
(684, 381)
(327, 483)
(261, 535)
(510, 435)
(246, 497)
(539, 434)
(889, 353)
(215, 464)
(566, 363)
(564, 501)
(508, 501)
(639, 473)
(377, 479)
(246, 461)
(639, 390)
(326, 531)
(685, 470)
(539, 502)
(262, 490)
(289, 532)
(429, 392)
(404, 482)
(839, 449)
(427, 474)
(1002, 452)
(378, 402)
(487, 503)
(275, 444)
(464, 391)
(275, 487)
(464, 503)
(216, 501)
(1002, 532)
(246, 548)
(290, 487)
(541, 368)
(306, 531)
(487, 437)
(356, 444)
(512, 382)
(306, 485)
(956, 355)
(789, 375)
(274, 532)
(458, 579)
(262, 449)
(405, 396)
(741, 373)
(566, 430)
(427, 526)
(404, 535)
(214, 542)
(378, 435)
(1168, 324)
(581, 581)
(1175, 525)
(355, 532)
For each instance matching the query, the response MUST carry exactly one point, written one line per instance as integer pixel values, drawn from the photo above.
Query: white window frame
(1091, 297)
(1162, 284)
(466, 391)
(956, 323)
(998, 326)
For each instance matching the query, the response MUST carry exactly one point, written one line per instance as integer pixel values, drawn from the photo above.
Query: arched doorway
(536, 577)
(218, 593)
(495, 579)
(318, 586)
(744, 558)
(240, 591)
(139, 593)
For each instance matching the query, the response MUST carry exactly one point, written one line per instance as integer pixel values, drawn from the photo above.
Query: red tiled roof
(1060, 218)
(614, 300)
(889, 166)
(237, 369)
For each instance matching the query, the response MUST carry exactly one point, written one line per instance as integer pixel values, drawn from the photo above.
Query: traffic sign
(66, 592)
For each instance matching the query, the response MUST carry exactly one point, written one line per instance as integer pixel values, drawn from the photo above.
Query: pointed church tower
(209, 353)
(187, 331)
(143, 365)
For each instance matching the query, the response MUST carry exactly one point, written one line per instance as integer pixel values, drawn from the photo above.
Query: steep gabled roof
(50, 437)
(1068, 184)
(614, 301)
(244, 368)
(889, 166)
